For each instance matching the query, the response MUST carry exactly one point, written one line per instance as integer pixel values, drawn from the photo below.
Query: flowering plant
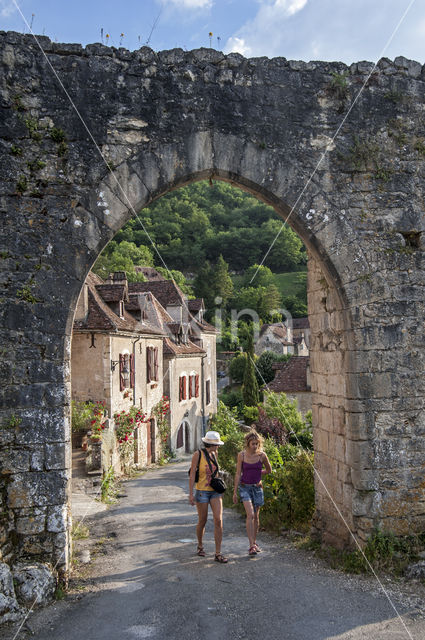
(160, 412)
(97, 423)
(126, 422)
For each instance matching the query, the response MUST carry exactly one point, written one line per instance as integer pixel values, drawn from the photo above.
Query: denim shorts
(252, 493)
(206, 496)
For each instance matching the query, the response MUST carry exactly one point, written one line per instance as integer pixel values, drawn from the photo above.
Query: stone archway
(161, 121)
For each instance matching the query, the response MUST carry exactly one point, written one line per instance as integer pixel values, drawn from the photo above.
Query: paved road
(151, 585)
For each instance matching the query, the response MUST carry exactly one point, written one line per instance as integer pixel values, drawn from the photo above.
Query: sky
(344, 30)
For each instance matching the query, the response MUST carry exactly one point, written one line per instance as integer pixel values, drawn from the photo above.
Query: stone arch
(165, 119)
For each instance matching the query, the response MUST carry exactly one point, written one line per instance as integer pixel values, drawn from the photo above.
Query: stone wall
(162, 120)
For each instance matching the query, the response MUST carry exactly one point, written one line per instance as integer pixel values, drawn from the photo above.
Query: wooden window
(132, 371)
(182, 388)
(197, 386)
(122, 380)
(208, 391)
(152, 366)
(155, 363)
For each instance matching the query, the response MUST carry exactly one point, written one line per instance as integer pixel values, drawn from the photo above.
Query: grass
(289, 283)
(79, 531)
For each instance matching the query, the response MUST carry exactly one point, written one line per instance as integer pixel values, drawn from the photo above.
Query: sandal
(257, 548)
(200, 552)
(252, 551)
(220, 558)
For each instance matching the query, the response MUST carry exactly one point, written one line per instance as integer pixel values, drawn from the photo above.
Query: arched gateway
(163, 120)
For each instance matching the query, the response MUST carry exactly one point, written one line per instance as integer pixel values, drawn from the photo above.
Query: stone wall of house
(162, 120)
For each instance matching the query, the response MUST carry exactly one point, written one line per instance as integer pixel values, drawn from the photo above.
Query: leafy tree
(237, 367)
(221, 281)
(296, 307)
(124, 257)
(277, 405)
(250, 391)
(260, 276)
(264, 366)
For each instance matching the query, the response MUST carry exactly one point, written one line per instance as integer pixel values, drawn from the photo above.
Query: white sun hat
(212, 437)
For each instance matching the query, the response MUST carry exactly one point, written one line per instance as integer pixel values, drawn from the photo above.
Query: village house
(293, 379)
(190, 370)
(128, 349)
(284, 339)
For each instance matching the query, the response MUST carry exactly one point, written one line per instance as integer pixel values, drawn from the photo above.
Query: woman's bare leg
(202, 508)
(217, 509)
(249, 522)
(256, 522)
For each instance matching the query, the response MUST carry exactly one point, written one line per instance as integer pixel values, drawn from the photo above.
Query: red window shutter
(132, 379)
(190, 387)
(180, 389)
(148, 365)
(122, 383)
(197, 386)
(184, 388)
(155, 360)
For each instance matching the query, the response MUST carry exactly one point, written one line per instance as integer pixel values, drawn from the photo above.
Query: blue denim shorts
(206, 496)
(252, 493)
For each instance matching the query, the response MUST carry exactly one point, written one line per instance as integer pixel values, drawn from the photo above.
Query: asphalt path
(148, 582)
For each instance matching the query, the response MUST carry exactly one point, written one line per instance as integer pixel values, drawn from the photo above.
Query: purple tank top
(251, 472)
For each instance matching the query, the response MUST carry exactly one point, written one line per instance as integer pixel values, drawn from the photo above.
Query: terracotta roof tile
(291, 376)
(300, 323)
(181, 349)
(112, 292)
(165, 291)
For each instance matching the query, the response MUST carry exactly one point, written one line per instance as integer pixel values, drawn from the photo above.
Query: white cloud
(188, 4)
(6, 8)
(261, 35)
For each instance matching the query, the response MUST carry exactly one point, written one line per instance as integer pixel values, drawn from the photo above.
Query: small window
(208, 392)
(182, 388)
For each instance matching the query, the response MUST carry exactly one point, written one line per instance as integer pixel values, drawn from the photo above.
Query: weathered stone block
(37, 489)
(34, 584)
(57, 518)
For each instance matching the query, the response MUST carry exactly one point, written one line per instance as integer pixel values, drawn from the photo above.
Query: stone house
(282, 339)
(301, 330)
(293, 379)
(190, 370)
(117, 359)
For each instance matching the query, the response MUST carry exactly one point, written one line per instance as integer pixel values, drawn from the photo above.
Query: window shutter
(132, 377)
(180, 388)
(184, 388)
(190, 387)
(122, 382)
(208, 392)
(148, 365)
(155, 359)
(197, 386)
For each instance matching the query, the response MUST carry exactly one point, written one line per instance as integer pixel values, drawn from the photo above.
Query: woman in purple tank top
(249, 470)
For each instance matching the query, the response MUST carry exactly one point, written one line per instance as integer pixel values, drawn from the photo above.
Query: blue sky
(346, 30)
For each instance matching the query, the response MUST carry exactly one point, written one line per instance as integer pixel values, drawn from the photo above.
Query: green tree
(264, 366)
(237, 367)
(258, 276)
(250, 391)
(123, 257)
(221, 281)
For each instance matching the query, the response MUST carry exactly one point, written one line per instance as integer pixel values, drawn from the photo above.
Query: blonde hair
(253, 435)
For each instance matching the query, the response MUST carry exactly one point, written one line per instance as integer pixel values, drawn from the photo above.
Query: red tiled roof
(300, 323)
(112, 292)
(151, 274)
(165, 291)
(172, 348)
(291, 376)
(100, 316)
(196, 304)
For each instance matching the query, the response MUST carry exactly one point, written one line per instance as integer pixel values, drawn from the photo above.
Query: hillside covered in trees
(215, 235)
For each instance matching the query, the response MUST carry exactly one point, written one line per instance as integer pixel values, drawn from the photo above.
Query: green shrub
(81, 415)
(289, 494)
(233, 399)
(237, 367)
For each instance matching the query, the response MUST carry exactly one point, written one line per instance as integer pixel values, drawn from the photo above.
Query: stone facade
(162, 120)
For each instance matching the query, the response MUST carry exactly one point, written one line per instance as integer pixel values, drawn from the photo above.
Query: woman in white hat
(199, 478)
